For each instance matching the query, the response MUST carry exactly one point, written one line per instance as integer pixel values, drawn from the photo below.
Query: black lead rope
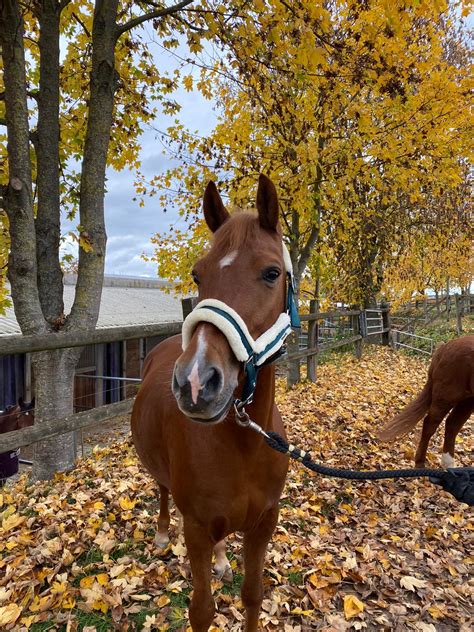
(458, 481)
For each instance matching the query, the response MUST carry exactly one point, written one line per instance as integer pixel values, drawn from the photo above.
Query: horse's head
(18, 416)
(244, 269)
(26, 416)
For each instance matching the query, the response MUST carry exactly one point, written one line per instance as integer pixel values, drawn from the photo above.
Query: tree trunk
(34, 268)
(54, 391)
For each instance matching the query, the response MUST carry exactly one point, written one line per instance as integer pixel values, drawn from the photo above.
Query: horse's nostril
(215, 380)
(212, 383)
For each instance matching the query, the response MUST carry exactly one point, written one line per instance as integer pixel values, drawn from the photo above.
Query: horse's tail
(410, 415)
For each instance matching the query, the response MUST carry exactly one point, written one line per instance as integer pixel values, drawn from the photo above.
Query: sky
(129, 226)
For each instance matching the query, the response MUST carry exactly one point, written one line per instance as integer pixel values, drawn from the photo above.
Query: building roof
(125, 301)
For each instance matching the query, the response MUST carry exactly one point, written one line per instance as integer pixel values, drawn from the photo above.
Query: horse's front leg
(199, 547)
(255, 546)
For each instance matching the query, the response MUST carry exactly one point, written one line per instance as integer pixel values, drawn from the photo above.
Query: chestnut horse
(450, 387)
(18, 416)
(14, 417)
(223, 477)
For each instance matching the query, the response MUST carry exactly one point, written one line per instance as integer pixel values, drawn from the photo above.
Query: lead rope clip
(243, 419)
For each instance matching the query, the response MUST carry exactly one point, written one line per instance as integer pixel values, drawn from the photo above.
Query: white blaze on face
(194, 375)
(228, 259)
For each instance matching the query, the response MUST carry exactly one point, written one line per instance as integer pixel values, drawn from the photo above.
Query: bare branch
(84, 27)
(159, 13)
(47, 224)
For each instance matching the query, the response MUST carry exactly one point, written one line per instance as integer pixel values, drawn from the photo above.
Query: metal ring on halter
(241, 416)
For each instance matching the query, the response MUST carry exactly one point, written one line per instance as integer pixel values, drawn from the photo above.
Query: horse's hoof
(224, 574)
(447, 460)
(161, 541)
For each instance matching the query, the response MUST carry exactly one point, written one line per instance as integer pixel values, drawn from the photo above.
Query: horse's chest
(229, 486)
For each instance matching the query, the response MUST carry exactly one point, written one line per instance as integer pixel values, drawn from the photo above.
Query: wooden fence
(322, 332)
(62, 340)
(426, 310)
(331, 330)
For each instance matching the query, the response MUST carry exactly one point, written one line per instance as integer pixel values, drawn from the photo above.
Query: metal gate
(373, 321)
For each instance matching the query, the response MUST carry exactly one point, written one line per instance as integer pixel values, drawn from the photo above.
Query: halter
(253, 353)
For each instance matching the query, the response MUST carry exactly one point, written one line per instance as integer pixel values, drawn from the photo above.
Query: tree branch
(81, 23)
(18, 197)
(48, 218)
(103, 84)
(159, 13)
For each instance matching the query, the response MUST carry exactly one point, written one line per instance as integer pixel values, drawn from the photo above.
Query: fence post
(386, 324)
(458, 303)
(313, 327)
(188, 304)
(448, 299)
(358, 329)
(293, 373)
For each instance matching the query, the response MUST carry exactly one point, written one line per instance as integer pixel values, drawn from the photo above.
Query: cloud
(129, 226)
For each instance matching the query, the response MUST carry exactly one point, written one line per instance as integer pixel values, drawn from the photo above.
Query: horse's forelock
(241, 230)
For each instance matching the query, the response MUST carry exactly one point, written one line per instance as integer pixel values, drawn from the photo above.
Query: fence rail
(55, 427)
(66, 339)
(397, 343)
(326, 331)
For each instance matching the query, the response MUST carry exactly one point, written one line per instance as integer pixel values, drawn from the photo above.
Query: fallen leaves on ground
(77, 552)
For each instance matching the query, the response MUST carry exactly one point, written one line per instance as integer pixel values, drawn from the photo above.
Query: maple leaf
(352, 606)
(9, 613)
(412, 583)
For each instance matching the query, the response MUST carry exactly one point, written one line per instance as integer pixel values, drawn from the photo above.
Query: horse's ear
(267, 203)
(215, 213)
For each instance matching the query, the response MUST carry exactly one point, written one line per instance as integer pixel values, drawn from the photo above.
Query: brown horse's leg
(430, 424)
(255, 546)
(455, 421)
(162, 538)
(200, 546)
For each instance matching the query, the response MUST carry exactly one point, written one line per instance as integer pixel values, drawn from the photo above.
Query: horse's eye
(195, 277)
(271, 274)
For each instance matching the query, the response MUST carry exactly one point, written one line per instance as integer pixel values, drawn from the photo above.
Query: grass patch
(43, 626)
(101, 622)
(128, 548)
(137, 620)
(234, 588)
(92, 556)
(295, 578)
(179, 599)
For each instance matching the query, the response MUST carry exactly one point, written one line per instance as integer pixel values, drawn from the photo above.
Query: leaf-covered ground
(77, 553)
